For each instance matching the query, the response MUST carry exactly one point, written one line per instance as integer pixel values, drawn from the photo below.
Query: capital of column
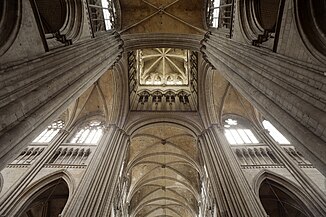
(211, 127)
(118, 128)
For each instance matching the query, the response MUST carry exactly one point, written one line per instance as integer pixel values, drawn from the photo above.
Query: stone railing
(260, 155)
(28, 156)
(67, 155)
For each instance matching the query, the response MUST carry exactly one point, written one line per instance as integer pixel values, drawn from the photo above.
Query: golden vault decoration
(163, 66)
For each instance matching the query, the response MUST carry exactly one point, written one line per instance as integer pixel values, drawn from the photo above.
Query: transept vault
(162, 108)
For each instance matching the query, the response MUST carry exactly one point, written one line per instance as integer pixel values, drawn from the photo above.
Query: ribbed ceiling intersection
(164, 173)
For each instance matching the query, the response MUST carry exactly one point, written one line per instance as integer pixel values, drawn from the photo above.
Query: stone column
(9, 203)
(288, 92)
(232, 193)
(94, 194)
(312, 192)
(33, 93)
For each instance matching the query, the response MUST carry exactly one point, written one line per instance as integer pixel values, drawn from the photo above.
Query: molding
(187, 120)
(32, 191)
(154, 40)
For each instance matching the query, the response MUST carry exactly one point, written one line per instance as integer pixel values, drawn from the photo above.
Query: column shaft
(94, 194)
(232, 192)
(290, 93)
(9, 203)
(34, 93)
(313, 193)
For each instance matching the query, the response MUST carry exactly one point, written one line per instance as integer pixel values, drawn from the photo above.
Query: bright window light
(90, 134)
(240, 136)
(244, 136)
(251, 136)
(277, 136)
(229, 137)
(237, 136)
(48, 134)
(106, 14)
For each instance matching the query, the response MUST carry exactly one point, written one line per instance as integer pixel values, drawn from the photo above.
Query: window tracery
(90, 133)
(220, 14)
(279, 200)
(48, 134)
(102, 15)
(238, 134)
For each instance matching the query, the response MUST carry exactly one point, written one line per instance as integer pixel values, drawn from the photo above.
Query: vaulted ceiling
(163, 66)
(164, 172)
(162, 16)
(163, 169)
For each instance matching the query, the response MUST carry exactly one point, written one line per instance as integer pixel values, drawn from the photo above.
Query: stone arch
(163, 152)
(42, 185)
(10, 20)
(192, 125)
(108, 98)
(242, 121)
(52, 19)
(63, 21)
(310, 16)
(214, 83)
(260, 21)
(84, 121)
(288, 188)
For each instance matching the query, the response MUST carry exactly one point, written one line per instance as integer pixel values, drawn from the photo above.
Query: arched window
(238, 132)
(48, 201)
(10, 13)
(219, 13)
(49, 133)
(279, 201)
(311, 17)
(89, 134)
(261, 21)
(277, 136)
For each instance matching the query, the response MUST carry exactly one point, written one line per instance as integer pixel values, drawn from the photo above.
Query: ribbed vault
(165, 66)
(169, 16)
(164, 172)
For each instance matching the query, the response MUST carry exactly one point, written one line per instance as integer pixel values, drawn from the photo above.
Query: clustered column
(312, 191)
(35, 92)
(94, 195)
(291, 94)
(9, 202)
(232, 192)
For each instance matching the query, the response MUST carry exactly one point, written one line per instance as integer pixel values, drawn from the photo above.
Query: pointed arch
(40, 186)
(286, 186)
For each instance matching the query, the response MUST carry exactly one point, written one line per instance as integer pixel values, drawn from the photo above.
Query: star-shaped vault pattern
(163, 66)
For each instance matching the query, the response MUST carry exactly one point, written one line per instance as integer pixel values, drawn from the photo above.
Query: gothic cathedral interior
(162, 108)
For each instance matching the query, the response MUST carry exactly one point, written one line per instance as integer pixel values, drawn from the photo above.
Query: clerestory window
(50, 132)
(220, 13)
(102, 15)
(89, 134)
(238, 134)
(277, 136)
